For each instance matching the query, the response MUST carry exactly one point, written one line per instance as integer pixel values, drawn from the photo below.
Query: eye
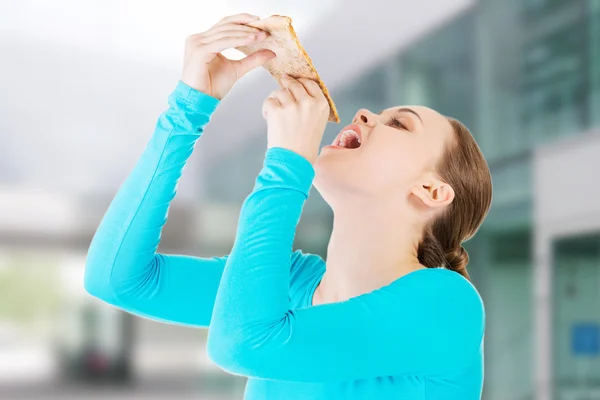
(397, 123)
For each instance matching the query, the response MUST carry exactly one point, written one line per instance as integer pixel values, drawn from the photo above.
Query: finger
(230, 27)
(283, 96)
(312, 88)
(230, 34)
(295, 87)
(227, 43)
(238, 19)
(253, 61)
(269, 105)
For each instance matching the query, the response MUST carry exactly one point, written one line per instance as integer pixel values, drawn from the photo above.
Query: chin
(336, 177)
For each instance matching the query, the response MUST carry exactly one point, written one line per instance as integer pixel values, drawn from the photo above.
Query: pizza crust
(291, 58)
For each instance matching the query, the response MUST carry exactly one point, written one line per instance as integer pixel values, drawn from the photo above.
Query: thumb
(253, 61)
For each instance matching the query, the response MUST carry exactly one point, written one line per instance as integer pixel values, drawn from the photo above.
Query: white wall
(563, 203)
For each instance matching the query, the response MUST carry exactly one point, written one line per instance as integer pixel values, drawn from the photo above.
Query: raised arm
(427, 323)
(122, 266)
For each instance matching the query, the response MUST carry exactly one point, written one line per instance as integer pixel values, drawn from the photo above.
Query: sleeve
(122, 266)
(429, 322)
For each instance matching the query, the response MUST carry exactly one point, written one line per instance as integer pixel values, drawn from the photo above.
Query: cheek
(392, 163)
(380, 166)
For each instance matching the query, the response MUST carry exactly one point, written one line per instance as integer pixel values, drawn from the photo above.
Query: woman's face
(399, 148)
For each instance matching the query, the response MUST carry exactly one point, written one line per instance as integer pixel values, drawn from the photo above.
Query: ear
(433, 192)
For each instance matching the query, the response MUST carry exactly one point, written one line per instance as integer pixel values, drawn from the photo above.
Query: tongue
(353, 143)
(350, 143)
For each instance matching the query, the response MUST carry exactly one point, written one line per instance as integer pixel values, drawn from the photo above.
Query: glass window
(438, 71)
(533, 73)
(509, 330)
(541, 8)
(576, 315)
(554, 81)
(512, 181)
(594, 49)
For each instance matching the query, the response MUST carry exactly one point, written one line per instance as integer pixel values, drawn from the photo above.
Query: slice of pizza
(291, 57)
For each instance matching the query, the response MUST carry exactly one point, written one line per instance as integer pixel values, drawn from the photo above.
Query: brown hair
(464, 168)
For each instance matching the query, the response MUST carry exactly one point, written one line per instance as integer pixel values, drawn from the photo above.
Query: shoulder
(448, 307)
(438, 284)
(449, 292)
(448, 314)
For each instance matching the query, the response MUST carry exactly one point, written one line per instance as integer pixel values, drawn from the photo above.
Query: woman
(390, 315)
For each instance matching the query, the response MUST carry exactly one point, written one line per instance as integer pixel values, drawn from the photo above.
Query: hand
(207, 71)
(296, 117)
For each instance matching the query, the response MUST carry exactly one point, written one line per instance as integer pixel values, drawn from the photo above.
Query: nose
(364, 116)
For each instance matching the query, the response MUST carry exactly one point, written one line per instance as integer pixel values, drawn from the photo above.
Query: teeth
(346, 136)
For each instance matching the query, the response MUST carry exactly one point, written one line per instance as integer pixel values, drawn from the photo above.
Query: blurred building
(523, 75)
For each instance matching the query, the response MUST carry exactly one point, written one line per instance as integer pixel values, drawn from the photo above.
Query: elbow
(96, 276)
(92, 287)
(235, 358)
(220, 352)
(243, 348)
(119, 281)
(94, 281)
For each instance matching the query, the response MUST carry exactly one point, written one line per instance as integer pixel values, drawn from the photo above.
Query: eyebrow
(405, 109)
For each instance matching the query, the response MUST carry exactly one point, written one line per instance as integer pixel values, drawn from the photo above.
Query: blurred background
(83, 82)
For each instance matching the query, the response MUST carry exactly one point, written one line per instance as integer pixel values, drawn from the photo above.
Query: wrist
(308, 155)
(192, 95)
(286, 168)
(197, 86)
(194, 109)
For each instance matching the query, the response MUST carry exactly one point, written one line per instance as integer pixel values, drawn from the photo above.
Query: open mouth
(349, 138)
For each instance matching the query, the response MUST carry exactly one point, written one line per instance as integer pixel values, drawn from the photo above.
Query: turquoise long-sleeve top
(420, 337)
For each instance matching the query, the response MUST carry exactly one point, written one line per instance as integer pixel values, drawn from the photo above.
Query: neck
(371, 245)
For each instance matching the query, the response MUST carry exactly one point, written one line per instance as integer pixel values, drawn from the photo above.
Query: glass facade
(535, 81)
(554, 67)
(576, 316)
(505, 287)
(535, 76)
(594, 54)
(519, 74)
(438, 71)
